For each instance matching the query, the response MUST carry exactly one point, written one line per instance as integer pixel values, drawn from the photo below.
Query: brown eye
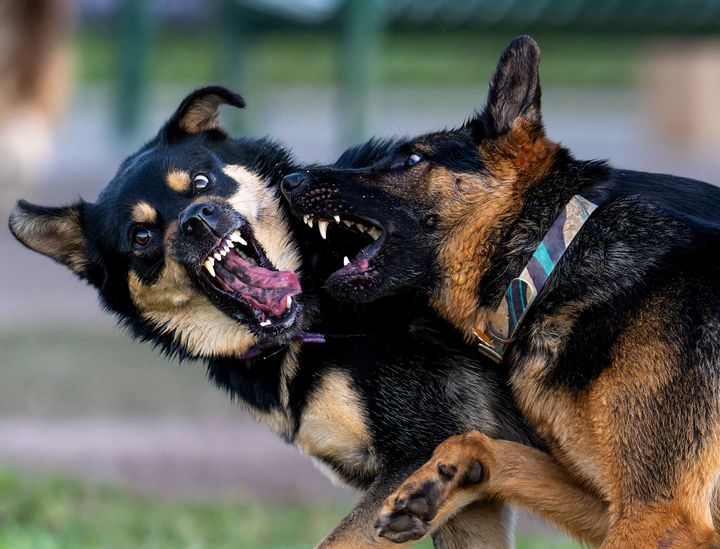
(200, 182)
(141, 236)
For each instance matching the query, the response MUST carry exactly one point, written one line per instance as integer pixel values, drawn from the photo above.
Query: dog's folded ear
(53, 231)
(200, 111)
(514, 88)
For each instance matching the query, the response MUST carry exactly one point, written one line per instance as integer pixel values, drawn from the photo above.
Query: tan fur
(178, 181)
(522, 157)
(203, 115)
(333, 425)
(262, 210)
(480, 526)
(660, 527)
(59, 237)
(279, 420)
(516, 474)
(144, 213)
(470, 221)
(471, 218)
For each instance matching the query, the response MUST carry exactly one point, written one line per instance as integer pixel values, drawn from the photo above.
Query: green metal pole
(358, 71)
(135, 30)
(237, 67)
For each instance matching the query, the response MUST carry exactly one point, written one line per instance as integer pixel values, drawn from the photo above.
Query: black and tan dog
(192, 247)
(616, 363)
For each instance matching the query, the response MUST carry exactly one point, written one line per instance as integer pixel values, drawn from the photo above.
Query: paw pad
(446, 471)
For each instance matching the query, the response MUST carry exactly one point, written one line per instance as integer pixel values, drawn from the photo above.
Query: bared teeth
(235, 237)
(322, 227)
(217, 256)
(267, 322)
(209, 265)
(229, 244)
(375, 233)
(346, 261)
(309, 222)
(360, 227)
(288, 302)
(336, 218)
(223, 252)
(347, 223)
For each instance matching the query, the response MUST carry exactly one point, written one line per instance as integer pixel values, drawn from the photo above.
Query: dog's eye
(200, 182)
(141, 236)
(412, 160)
(407, 162)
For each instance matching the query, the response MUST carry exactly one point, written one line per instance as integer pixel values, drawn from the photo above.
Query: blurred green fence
(358, 26)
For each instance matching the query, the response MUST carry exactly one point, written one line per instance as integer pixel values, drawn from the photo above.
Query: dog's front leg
(481, 525)
(471, 467)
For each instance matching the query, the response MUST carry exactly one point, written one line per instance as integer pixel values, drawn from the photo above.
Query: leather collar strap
(523, 290)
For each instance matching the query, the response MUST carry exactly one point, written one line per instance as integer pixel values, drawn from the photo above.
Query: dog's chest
(558, 418)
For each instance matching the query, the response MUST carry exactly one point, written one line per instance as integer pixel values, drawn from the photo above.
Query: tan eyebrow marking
(143, 212)
(178, 180)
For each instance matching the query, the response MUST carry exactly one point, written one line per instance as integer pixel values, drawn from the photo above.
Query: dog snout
(294, 182)
(199, 217)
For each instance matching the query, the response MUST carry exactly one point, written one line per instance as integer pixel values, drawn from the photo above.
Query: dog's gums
(238, 268)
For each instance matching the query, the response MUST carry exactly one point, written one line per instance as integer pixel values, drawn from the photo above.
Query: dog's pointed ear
(200, 111)
(514, 88)
(53, 231)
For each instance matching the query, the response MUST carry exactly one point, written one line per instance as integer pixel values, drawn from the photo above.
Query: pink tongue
(265, 289)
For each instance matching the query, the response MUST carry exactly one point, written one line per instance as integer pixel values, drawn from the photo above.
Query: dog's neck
(495, 232)
(482, 221)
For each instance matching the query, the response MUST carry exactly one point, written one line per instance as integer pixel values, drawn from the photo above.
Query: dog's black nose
(198, 217)
(293, 181)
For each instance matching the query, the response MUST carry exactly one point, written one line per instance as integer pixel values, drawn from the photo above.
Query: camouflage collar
(522, 291)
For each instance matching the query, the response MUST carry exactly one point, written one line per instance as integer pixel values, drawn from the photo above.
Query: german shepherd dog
(192, 247)
(617, 362)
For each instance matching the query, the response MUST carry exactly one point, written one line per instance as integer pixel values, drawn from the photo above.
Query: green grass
(453, 58)
(52, 513)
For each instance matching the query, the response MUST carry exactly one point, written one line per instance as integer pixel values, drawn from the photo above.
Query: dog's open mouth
(354, 242)
(238, 268)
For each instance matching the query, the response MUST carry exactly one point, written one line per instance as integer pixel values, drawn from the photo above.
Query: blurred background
(102, 443)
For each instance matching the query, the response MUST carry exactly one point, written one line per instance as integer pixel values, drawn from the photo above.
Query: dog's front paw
(410, 512)
(407, 513)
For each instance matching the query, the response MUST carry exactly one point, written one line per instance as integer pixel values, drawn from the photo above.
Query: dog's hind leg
(660, 528)
(471, 466)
